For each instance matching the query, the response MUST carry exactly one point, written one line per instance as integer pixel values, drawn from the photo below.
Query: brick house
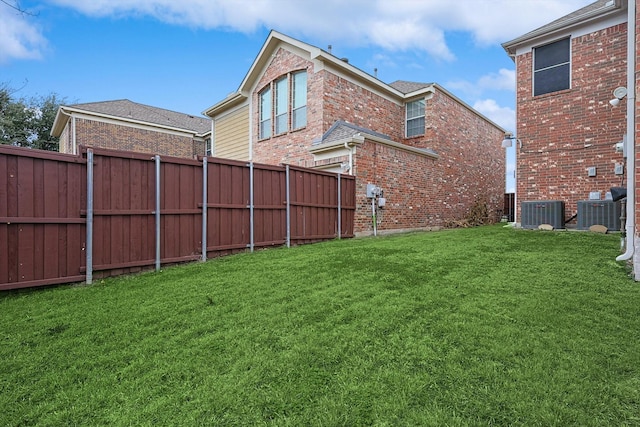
(575, 143)
(432, 156)
(129, 126)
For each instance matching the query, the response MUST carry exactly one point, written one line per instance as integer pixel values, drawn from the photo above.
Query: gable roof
(273, 41)
(133, 112)
(342, 132)
(592, 12)
(341, 129)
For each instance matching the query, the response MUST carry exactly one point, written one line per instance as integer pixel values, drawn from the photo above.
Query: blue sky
(187, 55)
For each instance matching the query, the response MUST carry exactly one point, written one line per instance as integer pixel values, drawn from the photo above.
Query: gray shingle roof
(408, 87)
(341, 130)
(129, 110)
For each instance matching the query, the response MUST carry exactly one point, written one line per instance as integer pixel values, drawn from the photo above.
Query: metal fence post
(251, 236)
(288, 194)
(339, 208)
(89, 228)
(157, 160)
(204, 209)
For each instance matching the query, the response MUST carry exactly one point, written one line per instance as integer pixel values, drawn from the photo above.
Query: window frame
(265, 121)
(293, 113)
(538, 88)
(421, 117)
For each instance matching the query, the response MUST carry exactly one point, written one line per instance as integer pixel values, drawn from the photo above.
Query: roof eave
(69, 111)
(230, 101)
(548, 30)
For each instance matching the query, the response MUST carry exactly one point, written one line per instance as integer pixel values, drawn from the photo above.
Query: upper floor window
(265, 113)
(286, 109)
(282, 106)
(552, 67)
(299, 101)
(415, 118)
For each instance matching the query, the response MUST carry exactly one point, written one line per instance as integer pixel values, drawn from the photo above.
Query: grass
(482, 326)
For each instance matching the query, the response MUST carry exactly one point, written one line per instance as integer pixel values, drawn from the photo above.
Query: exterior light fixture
(507, 142)
(619, 93)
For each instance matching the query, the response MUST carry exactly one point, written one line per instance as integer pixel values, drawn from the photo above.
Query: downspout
(73, 134)
(349, 146)
(631, 135)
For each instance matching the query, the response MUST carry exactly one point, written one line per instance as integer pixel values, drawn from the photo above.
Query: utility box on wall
(598, 212)
(538, 212)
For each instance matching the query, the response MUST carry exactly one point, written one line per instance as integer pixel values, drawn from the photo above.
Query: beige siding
(232, 135)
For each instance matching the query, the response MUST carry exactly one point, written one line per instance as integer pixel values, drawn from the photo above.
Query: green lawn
(481, 326)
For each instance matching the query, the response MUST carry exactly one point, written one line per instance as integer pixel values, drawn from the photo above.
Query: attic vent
(540, 212)
(345, 60)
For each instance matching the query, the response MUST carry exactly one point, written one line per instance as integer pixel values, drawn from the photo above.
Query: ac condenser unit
(598, 212)
(536, 213)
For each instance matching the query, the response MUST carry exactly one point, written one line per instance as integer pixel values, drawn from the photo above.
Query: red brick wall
(291, 147)
(564, 133)
(108, 135)
(421, 191)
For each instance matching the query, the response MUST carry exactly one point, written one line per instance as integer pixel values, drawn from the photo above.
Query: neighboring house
(567, 72)
(129, 126)
(433, 157)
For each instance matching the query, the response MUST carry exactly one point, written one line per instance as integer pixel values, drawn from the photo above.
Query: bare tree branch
(17, 7)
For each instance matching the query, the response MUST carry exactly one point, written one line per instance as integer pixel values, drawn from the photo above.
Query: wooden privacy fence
(67, 218)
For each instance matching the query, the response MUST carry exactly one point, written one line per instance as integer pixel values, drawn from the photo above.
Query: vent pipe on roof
(329, 48)
(375, 73)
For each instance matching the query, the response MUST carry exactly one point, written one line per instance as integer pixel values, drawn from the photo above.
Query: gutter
(631, 135)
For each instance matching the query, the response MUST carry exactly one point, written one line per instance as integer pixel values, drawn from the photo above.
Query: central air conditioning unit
(598, 212)
(538, 212)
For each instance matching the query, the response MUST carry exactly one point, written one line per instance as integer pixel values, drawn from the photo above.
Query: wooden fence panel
(124, 204)
(41, 228)
(43, 212)
(227, 207)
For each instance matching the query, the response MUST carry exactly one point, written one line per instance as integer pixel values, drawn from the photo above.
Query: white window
(299, 102)
(282, 107)
(552, 67)
(265, 113)
(415, 118)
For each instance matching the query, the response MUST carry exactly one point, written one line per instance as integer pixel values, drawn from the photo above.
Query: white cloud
(503, 116)
(504, 80)
(392, 25)
(19, 37)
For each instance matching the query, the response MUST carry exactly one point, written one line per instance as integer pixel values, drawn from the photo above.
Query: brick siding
(566, 132)
(421, 192)
(94, 133)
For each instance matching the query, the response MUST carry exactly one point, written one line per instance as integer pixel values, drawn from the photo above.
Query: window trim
(272, 88)
(407, 119)
(534, 71)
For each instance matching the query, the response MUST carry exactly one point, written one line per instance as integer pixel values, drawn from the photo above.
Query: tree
(28, 122)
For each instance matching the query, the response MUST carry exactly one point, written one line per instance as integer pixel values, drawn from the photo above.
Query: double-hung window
(552, 67)
(265, 113)
(283, 105)
(299, 101)
(415, 118)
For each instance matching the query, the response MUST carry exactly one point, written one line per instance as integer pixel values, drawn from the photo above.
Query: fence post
(89, 243)
(251, 243)
(339, 208)
(204, 209)
(288, 195)
(157, 160)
